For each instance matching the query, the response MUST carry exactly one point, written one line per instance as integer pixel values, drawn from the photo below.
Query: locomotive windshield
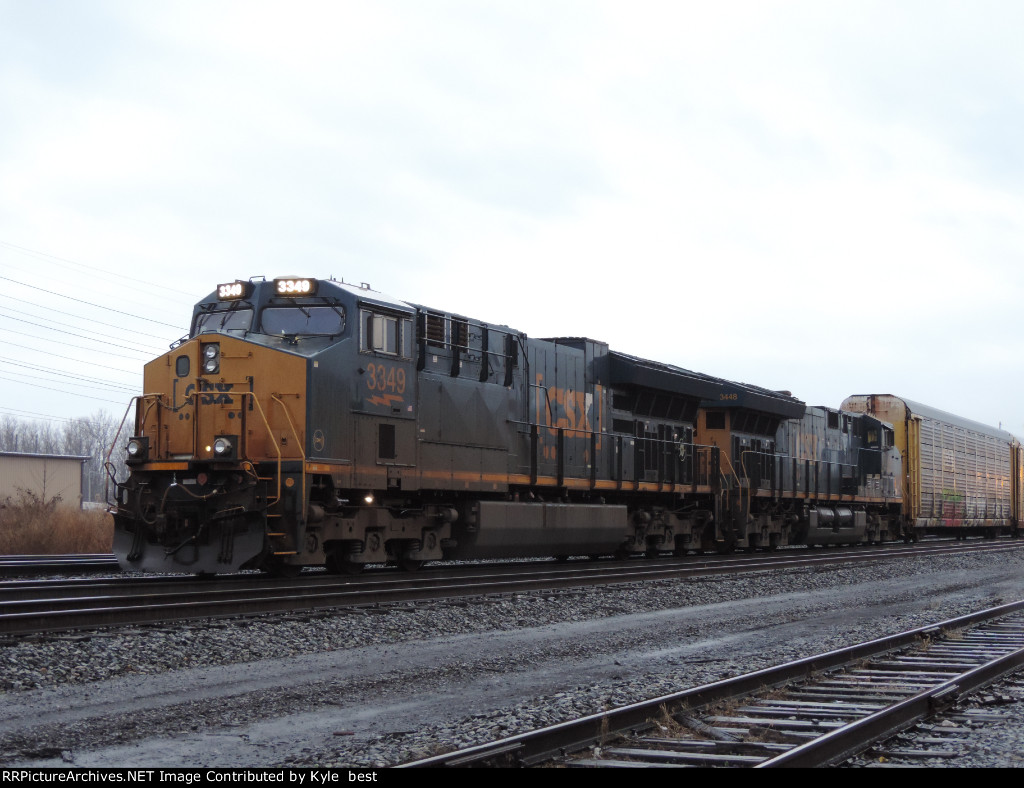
(223, 320)
(303, 320)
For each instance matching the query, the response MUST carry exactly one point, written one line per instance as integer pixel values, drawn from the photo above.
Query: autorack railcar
(961, 477)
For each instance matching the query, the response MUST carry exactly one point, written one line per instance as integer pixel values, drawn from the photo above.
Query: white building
(46, 476)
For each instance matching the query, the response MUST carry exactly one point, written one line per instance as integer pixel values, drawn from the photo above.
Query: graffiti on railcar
(954, 508)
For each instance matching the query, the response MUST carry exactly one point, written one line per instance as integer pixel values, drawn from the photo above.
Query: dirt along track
(372, 690)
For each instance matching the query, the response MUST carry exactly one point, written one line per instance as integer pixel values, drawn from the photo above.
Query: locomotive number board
(232, 291)
(295, 287)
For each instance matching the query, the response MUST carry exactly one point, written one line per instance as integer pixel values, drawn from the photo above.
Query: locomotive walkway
(55, 606)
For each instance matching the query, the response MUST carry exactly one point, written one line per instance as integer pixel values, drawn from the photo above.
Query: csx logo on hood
(220, 398)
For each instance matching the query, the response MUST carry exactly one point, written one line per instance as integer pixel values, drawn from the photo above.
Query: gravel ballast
(376, 687)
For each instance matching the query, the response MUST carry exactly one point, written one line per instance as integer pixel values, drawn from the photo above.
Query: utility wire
(48, 354)
(147, 351)
(89, 319)
(93, 287)
(96, 384)
(64, 391)
(89, 303)
(11, 413)
(111, 388)
(84, 378)
(68, 344)
(117, 275)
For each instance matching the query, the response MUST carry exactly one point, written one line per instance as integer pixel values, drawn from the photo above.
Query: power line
(148, 351)
(89, 319)
(93, 287)
(89, 303)
(33, 416)
(64, 391)
(84, 378)
(78, 347)
(4, 309)
(22, 375)
(117, 275)
(11, 413)
(97, 385)
(48, 354)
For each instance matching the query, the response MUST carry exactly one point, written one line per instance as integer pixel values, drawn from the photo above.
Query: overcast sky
(824, 197)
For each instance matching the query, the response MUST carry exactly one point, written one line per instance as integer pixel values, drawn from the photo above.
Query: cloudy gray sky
(825, 197)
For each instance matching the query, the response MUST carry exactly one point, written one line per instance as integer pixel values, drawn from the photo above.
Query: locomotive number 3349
(385, 378)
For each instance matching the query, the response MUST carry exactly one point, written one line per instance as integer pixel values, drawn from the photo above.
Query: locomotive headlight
(368, 498)
(224, 447)
(138, 449)
(211, 358)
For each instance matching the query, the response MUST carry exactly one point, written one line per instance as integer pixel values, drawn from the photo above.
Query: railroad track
(68, 563)
(817, 711)
(55, 606)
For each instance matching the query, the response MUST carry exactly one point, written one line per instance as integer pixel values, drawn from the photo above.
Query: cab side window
(382, 333)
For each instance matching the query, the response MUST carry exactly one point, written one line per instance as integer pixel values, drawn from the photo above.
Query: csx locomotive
(313, 422)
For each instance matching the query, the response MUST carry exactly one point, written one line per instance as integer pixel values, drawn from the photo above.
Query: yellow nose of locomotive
(220, 399)
(219, 443)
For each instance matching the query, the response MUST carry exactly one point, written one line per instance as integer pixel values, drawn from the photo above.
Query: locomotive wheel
(410, 565)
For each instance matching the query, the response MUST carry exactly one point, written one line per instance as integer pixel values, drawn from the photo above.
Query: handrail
(133, 402)
(732, 470)
(156, 399)
(270, 434)
(302, 451)
(699, 449)
(831, 464)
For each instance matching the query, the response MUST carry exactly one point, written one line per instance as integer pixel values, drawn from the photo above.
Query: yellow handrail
(270, 434)
(133, 402)
(298, 442)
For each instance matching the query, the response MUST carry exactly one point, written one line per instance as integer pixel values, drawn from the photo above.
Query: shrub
(30, 524)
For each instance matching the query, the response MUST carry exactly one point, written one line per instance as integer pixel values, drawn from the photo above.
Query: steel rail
(645, 569)
(43, 607)
(855, 737)
(642, 567)
(34, 564)
(538, 746)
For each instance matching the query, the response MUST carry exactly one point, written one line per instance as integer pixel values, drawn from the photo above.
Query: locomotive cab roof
(302, 314)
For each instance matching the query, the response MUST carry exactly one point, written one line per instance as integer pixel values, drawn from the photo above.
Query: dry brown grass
(30, 525)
